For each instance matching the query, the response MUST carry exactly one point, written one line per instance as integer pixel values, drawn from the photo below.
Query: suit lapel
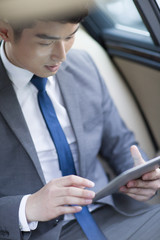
(67, 83)
(11, 111)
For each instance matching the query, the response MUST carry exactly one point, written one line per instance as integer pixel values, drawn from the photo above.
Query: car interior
(126, 50)
(130, 68)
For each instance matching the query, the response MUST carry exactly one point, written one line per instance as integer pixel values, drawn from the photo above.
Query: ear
(5, 31)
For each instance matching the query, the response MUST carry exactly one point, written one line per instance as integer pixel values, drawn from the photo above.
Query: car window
(124, 15)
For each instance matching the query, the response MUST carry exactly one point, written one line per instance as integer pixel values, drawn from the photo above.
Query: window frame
(150, 14)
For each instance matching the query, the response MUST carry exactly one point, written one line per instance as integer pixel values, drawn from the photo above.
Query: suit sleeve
(9, 223)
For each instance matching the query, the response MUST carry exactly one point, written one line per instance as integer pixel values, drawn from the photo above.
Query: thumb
(136, 155)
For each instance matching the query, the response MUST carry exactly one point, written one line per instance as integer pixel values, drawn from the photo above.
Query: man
(36, 202)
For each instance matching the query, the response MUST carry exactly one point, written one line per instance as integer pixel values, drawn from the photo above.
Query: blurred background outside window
(124, 15)
(158, 3)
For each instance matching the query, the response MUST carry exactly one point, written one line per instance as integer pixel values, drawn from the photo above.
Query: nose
(59, 52)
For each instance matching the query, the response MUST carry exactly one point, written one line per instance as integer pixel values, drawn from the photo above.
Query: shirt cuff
(23, 224)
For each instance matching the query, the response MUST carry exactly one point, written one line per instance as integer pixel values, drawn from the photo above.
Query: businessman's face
(43, 48)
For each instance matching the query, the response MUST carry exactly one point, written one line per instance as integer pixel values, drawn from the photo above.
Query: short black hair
(77, 18)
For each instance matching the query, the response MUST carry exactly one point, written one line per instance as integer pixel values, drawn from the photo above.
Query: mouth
(53, 68)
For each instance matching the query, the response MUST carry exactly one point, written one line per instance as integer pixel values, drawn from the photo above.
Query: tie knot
(39, 83)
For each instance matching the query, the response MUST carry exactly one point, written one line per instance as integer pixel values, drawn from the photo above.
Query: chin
(44, 75)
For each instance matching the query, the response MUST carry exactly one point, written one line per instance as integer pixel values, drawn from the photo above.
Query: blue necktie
(66, 162)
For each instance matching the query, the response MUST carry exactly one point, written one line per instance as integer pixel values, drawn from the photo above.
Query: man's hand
(60, 196)
(146, 187)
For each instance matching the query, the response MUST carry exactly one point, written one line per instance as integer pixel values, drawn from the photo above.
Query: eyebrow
(44, 36)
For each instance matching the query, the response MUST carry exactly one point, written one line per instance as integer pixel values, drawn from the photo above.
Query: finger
(69, 200)
(153, 175)
(139, 191)
(77, 192)
(155, 184)
(136, 155)
(68, 210)
(73, 180)
(140, 198)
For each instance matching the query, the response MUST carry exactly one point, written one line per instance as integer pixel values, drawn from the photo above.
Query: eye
(69, 38)
(45, 44)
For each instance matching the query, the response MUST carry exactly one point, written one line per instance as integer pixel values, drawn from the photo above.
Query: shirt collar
(20, 77)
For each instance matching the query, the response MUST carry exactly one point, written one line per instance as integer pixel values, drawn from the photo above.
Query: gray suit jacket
(98, 128)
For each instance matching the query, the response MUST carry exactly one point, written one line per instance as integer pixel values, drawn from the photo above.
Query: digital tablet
(121, 180)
